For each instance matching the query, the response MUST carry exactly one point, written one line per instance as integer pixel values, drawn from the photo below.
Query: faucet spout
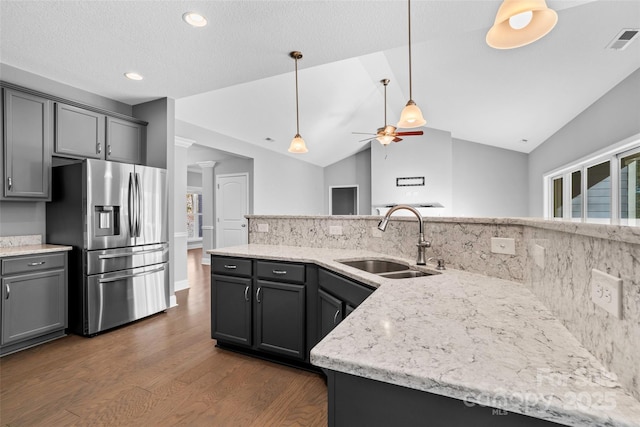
(422, 244)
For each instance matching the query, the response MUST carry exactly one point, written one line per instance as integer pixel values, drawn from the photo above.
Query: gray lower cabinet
(338, 296)
(79, 133)
(26, 146)
(34, 300)
(125, 141)
(260, 306)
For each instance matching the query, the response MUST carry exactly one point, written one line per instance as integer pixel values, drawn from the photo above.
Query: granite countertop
(32, 249)
(27, 245)
(471, 337)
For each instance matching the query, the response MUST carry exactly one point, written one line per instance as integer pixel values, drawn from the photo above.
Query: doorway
(344, 200)
(232, 204)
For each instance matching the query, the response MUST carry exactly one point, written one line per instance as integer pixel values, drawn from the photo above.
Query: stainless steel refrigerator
(115, 217)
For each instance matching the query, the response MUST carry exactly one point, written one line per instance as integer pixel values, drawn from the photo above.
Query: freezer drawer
(107, 260)
(114, 299)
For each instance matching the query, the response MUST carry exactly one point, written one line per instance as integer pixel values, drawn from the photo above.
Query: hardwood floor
(161, 371)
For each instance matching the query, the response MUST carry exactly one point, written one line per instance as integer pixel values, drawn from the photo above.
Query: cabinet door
(231, 309)
(125, 141)
(80, 133)
(331, 312)
(33, 304)
(26, 162)
(280, 318)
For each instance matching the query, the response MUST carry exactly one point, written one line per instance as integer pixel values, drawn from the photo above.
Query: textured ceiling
(235, 77)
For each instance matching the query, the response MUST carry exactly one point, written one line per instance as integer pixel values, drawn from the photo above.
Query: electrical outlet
(606, 291)
(501, 245)
(538, 255)
(335, 230)
(263, 228)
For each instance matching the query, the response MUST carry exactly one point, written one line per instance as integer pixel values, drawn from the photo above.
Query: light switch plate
(538, 255)
(335, 230)
(263, 228)
(606, 291)
(502, 245)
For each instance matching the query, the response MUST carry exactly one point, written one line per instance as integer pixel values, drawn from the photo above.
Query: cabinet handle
(258, 294)
(109, 149)
(99, 147)
(8, 291)
(279, 272)
(9, 183)
(246, 294)
(230, 267)
(335, 317)
(33, 264)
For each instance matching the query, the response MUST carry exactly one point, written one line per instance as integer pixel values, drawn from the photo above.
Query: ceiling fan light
(411, 116)
(513, 28)
(298, 145)
(385, 139)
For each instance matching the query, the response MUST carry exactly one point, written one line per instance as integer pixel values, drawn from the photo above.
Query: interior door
(232, 202)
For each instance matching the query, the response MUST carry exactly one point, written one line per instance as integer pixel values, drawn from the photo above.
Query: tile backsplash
(553, 259)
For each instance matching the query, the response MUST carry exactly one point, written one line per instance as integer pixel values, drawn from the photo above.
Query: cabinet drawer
(281, 271)
(231, 266)
(347, 290)
(22, 264)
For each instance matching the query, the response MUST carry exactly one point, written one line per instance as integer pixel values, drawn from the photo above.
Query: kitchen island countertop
(475, 338)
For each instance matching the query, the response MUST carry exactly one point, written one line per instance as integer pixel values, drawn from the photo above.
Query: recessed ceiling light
(194, 19)
(133, 76)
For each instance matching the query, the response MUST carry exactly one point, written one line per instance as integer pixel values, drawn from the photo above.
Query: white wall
(194, 179)
(429, 155)
(282, 184)
(489, 181)
(611, 119)
(354, 170)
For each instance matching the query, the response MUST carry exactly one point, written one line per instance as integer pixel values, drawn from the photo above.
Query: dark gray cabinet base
(356, 401)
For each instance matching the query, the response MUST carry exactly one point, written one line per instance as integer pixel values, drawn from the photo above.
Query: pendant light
(384, 136)
(297, 144)
(411, 116)
(520, 22)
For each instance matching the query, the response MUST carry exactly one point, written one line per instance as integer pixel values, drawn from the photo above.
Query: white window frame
(613, 154)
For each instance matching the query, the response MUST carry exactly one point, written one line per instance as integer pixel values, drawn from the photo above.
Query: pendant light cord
(409, 13)
(297, 114)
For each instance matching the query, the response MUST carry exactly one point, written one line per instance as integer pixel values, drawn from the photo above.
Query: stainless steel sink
(406, 274)
(376, 266)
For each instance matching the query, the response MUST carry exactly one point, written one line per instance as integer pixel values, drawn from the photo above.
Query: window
(603, 186)
(194, 215)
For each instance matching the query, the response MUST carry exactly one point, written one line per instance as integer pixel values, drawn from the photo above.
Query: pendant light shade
(411, 116)
(385, 139)
(520, 22)
(297, 145)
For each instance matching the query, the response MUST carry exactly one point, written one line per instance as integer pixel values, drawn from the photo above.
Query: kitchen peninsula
(483, 340)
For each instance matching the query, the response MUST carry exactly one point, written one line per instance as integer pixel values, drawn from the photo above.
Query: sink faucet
(422, 244)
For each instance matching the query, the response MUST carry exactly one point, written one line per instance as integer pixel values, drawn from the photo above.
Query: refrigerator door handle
(128, 254)
(131, 207)
(126, 276)
(138, 204)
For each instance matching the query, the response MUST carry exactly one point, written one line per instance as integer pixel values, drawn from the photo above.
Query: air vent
(624, 37)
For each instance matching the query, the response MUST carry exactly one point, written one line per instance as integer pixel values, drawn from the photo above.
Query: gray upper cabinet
(125, 141)
(26, 150)
(80, 133)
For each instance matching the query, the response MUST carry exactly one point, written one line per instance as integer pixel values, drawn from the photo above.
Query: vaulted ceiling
(235, 76)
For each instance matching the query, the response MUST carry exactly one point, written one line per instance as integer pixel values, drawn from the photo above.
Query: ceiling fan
(388, 133)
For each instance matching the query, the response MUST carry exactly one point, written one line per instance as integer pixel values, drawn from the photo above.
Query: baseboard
(173, 301)
(181, 285)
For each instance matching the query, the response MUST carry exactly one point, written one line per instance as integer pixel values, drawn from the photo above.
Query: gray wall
(194, 179)
(489, 181)
(22, 218)
(611, 119)
(354, 170)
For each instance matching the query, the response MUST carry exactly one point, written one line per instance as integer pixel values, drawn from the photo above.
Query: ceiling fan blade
(396, 139)
(366, 139)
(363, 133)
(410, 133)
